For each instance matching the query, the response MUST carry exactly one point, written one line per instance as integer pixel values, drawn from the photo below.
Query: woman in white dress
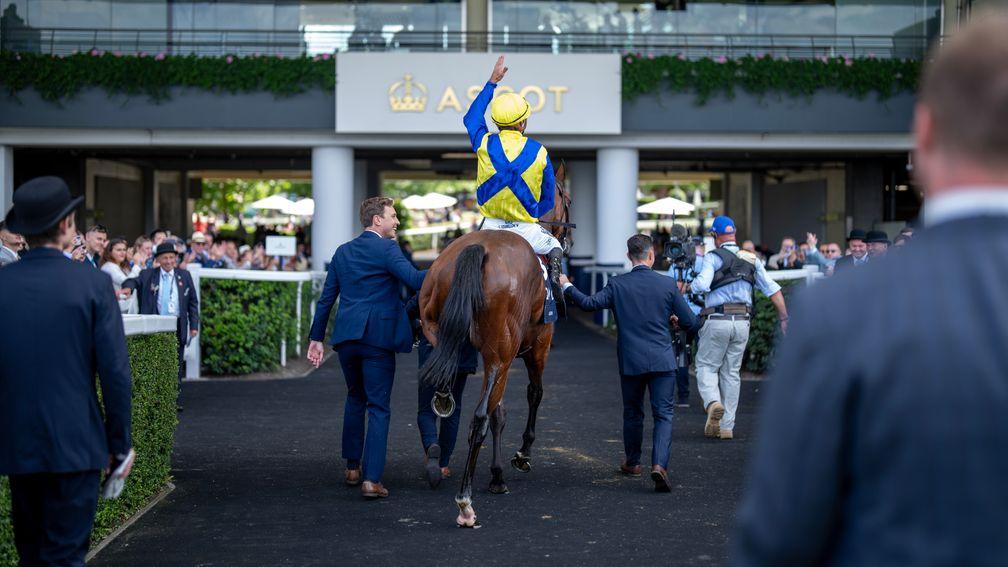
(115, 264)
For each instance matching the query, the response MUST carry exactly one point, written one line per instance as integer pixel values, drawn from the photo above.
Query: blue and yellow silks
(515, 180)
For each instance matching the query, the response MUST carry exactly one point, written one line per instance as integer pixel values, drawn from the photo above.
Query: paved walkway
(259, 479)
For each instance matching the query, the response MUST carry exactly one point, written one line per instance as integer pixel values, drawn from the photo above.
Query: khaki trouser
(718, 361)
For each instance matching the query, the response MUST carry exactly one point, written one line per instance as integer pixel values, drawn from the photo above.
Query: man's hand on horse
(315, 353)
(498, 71)
(564, 280)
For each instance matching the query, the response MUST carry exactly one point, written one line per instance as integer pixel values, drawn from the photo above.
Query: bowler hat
(877, 236)
(857, 234)
(39, 204)
(165, 248)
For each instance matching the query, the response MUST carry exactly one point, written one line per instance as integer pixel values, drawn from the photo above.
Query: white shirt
(173, 300)
(965, 202)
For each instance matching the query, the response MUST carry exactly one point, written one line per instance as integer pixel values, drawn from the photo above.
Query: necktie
(165, 293)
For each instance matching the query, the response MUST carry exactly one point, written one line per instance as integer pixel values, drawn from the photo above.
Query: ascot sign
(392, 93)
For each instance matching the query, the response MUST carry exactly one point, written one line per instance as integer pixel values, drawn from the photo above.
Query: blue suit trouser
(660, 385)
(369, 372)
(53, 514)
(682, 384)
(427, 419)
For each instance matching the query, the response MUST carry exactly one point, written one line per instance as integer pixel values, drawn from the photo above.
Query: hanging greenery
(58, 78)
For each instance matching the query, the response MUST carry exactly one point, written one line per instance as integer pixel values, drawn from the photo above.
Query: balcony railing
(322, 39)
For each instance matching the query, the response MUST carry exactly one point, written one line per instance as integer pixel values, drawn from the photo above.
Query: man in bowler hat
(858, 245)
(65, 328)
(169, 290)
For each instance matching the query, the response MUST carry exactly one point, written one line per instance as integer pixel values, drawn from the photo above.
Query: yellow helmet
(508, 109)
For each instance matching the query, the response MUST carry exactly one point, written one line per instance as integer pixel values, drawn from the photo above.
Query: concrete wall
(826, 112)
(187, 108)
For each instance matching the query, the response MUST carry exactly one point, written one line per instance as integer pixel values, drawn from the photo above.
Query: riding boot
(554, 268)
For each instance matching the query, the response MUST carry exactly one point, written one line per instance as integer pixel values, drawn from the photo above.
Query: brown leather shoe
(630, 471)
(661, 479)
(373, 490)
(353, 477)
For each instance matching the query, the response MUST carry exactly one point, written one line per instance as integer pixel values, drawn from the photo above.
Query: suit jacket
(145, 288)
(896, 452)
(845, 262)
(643, 301)
(365, 274)
(61, 326)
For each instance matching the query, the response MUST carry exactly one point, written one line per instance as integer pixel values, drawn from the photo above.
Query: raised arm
(475, 118)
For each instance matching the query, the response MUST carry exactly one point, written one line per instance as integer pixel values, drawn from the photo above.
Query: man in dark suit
(371, 326)
(96, 239)
(857, 243)
(169, 290)
(897, 454)
(63, 327)
(644, 303)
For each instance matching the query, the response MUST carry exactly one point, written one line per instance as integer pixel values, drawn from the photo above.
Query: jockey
(515, 177)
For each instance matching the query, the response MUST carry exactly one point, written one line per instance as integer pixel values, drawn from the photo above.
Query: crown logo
(403, 99)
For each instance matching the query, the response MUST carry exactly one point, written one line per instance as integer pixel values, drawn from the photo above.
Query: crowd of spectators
(122, 259)
(860, 244)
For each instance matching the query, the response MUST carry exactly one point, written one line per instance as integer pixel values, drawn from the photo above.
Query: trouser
(182, 337)
(718, 361)
(52, 515)
(369, 372)
(682, 384)
(538, 237)
(659, 385)
(426, 418)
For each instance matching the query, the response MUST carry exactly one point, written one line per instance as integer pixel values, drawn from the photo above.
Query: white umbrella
(429, 201)
(273, 202)
(667, 206)
(302, 208)
(439, 201)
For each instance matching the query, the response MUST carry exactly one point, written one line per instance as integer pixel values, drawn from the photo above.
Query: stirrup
(443, 404)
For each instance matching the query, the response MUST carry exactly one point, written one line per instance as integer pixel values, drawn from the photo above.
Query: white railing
(809, 273)
(192, 352)
(149, 324)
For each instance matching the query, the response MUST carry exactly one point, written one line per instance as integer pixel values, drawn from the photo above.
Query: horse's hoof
(498, 488)
(521, 462)
(467, 519)
(443, 405)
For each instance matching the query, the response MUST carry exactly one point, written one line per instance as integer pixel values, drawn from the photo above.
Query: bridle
(568, 227)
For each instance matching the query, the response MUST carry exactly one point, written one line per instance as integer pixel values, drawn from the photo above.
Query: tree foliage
(232, 197)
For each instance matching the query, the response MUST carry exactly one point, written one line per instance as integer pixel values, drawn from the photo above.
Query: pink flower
(142, 54)
(785, 58)
(94, 53)
(229, 59)
(848, 61)
(18, 57)
(280, 56)
(100, 53)
(74, 52)
(159, 57)
(650, 56)
(722, 59)
(629, 59)
(871, 56)
(326, 56)
(117, 54)
(824, 59)
(681, 57)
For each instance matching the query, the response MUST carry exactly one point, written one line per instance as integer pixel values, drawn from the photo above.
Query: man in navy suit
(897, 454)
(371, 326)
(644, 303)
(64, 327)
(169, 290)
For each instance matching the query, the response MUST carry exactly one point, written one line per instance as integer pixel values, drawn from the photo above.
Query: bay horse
(488, 288)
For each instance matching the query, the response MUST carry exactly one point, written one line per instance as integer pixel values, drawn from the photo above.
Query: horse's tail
(455, 324)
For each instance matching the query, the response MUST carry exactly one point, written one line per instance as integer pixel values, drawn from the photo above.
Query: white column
(333, 192)
(582, 180)
(6, 179)
(617, 204)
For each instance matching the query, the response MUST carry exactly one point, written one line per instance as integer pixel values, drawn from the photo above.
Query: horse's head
(558, 220)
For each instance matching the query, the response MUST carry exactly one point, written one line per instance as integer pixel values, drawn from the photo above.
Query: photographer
(684, 267)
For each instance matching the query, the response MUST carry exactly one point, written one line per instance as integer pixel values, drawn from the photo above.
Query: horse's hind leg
(535, 361)
(497, 420)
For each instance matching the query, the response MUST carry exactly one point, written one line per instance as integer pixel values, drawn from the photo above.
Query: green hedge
(243, 323)
(154, 361)
(58, 78)
(763, 331)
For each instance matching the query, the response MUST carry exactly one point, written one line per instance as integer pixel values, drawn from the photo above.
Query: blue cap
(723, 225)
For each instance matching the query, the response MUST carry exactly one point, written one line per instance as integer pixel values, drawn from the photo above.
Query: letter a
(449, 99)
